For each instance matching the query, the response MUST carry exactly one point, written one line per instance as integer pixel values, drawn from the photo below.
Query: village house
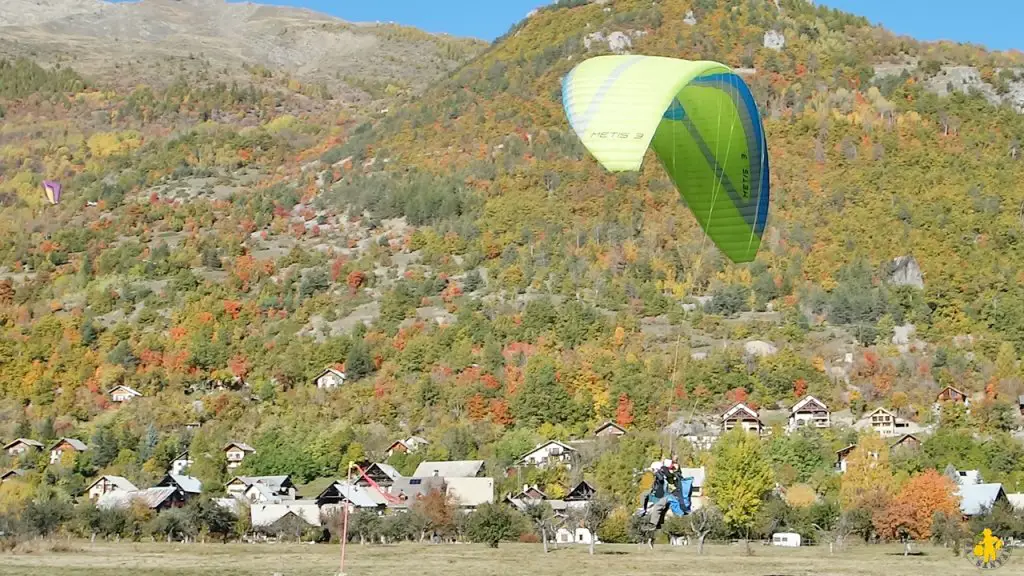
(580, 495)
(885, 423)
(383, 475)
(1017, 501)
(330, 378)
(975, 499)
(609, 429)
(530, 493)
(123, 393)
(450, 469)
(236, 452)
(340, 494)
(408, 490)
(11, 475)
(107, 484)
(21, 446)
(158, 498)
(569, 534)
(549, 453)
(468, 493)
(66, 445)
(261, 489)
(407, 446)
(181, 463)
(842, 455)
(264, 517)
(809, 412)
(188, 486)
(905, 442)
(951, 394)
(742, 416)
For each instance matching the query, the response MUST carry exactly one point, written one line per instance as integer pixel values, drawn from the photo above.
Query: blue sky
(993, 23)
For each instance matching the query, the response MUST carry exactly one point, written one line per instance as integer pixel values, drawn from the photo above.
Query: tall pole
(344, 526)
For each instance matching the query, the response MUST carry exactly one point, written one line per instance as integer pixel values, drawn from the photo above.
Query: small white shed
(786, 539)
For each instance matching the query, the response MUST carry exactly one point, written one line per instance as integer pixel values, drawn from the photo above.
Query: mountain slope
(866, 167)
(155, 41)
(483, 282)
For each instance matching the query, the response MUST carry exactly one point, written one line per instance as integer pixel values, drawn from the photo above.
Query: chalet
(841, 457)
(549, 453)
(181, 463)
(609, 429)
(236, 452)
(262, 489)
(123, 393)
(468, 493)
(107, 484)
(21, 446)
(187, 485)
(905, 442)
(407, 446)
(329, 379)
(1017, 501)
(11, 475)
(885, 423)
(530, 493)
(408, 490)
(950, 394)
(158, 498)
(580, 495)
(740, 415)
(383, 475)
(450, 469)
(66, 445)
(809, 412)
(294, 517)
(976, 499)
(340, 494)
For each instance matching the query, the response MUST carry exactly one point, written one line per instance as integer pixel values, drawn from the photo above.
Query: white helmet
(656, 465)
(666, 463)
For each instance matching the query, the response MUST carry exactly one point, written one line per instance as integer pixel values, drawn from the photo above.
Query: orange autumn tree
(912, 510)
(624, 411)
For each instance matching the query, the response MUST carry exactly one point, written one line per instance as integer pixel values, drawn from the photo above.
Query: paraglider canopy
(702, 122)
(52, 190)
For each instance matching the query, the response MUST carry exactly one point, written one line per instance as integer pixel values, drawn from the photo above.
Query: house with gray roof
(340, 493)
(236, 452)
(975, 499)
(22, 445)
(189, 485)
(450, 469)
(261, 488)
(157, 498)
(106, 484)
(64, 446)
(408, 490)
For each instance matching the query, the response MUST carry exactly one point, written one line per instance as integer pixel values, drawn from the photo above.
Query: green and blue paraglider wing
(702, 122)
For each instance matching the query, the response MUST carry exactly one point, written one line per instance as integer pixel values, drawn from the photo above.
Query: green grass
(109, 559)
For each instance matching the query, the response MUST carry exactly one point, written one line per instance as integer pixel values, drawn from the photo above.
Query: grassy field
(107, 559)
